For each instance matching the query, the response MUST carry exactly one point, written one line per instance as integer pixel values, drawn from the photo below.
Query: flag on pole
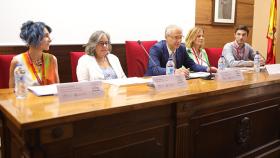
(271, 47)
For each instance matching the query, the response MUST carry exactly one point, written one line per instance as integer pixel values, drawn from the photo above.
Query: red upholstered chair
(5, 61)
(74, 57)
(136, 58)
(214, 55)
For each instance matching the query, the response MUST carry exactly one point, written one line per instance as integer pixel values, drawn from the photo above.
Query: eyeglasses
(101, 43)
(178, 37)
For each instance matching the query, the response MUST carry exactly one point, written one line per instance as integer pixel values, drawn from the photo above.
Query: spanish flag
(271, 47)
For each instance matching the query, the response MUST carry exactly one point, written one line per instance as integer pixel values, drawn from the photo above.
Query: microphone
(149, 57)
(210, 76)
(264, 59)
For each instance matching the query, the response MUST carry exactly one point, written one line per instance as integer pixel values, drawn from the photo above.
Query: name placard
(273, 69)
(79, 90)
(167, 82)
(230, 75)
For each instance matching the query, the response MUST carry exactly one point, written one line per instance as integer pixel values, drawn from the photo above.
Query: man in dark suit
(171, 47)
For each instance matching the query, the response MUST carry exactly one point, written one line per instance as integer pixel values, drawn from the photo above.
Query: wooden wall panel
(245, 14)
(203, 12)
(218, 35)
(246, 1)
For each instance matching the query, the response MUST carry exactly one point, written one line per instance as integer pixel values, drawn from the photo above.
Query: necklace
(37, 62)
(41, 80)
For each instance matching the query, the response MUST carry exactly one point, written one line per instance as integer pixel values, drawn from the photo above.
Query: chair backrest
(74, 57)
(5, 62)
(136, 58)
(214, 55)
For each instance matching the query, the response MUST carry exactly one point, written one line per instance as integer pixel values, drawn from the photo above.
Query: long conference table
(207, 119)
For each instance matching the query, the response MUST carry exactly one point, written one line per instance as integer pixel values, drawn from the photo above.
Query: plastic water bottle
(257, 62)
(170, 67)
(20, 82)
(222, 63)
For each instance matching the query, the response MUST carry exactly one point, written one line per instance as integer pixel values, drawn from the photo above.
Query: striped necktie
(173, 56)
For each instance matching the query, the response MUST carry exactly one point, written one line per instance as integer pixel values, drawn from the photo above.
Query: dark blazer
(159, 56)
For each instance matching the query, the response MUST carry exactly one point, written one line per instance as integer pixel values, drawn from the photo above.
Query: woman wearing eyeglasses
(98, 63)
(40, 68)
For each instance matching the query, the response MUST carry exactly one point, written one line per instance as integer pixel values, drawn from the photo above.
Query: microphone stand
(146, 52)
(264, 59)
(211, 76)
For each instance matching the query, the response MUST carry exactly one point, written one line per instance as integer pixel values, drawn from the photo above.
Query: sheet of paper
(79, 90)
(43, 90)
(167, 82)
(199, 74)
(273, 69)
(127, 81)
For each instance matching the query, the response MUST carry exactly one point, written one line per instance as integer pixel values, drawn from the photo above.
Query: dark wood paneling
(63, 57)
(141, 133)
(239, 133)
(182, 143)
(151, 141)
(241, 128)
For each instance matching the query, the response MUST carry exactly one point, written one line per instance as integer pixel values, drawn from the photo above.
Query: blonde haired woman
(195, 47)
